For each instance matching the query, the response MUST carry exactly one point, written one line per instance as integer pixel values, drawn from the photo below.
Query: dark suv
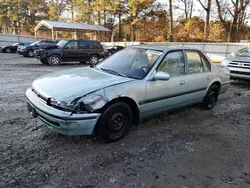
(72, 50)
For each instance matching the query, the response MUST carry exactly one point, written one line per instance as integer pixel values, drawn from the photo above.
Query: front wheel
(30, 53)
(115, 122)
(211, 97)
(54, 60)
(7, 50)
(93, 59)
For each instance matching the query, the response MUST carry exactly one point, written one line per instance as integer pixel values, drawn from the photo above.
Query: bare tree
(207, 9)
(188, 8)
(171, 25)
(237, 10)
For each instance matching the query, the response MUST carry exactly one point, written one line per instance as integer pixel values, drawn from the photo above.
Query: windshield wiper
(113, 72)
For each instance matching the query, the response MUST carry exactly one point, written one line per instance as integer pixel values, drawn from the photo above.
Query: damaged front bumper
(60, 121)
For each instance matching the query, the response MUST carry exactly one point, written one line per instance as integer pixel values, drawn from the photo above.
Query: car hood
(239, 59)
(68, 85)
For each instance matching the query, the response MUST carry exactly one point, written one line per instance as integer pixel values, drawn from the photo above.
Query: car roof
(163, 48)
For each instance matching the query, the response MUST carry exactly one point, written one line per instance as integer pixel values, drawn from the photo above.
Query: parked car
(72, 50)
(13, 48)
(108, 98)
(28, 51)
(112, 49)
(239, 64)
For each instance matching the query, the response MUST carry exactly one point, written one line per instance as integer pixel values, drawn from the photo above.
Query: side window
(93, 45)
(99, 46)
(173, 64)
(206, 64)
(83, 45)
(72, 45)
(194, 62)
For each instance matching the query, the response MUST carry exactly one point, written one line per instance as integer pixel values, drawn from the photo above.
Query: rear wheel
(93, 59)
(30, 53)
(211, 97)
(7, 50)
(115, 122)
(54, 60)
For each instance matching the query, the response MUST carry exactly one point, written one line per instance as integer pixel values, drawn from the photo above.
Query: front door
(70, 51)
(166, 95)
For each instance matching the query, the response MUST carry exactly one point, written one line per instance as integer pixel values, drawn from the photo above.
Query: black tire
(45, 62)
(93, 59)
(54, 60)
(7, 50)
(211, 97)
(115, 122)
(30, 53)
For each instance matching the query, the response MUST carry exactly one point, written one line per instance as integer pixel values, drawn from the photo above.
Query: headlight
(225, 62)
(61, 104)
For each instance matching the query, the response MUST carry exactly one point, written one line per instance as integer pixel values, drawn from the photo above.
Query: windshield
(62, 43)
(243, 53)
(131, 62)
(16, 44)
(34, 43)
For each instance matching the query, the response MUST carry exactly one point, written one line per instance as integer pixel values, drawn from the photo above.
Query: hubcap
(8, 50)
(31, 53)
(116, 122)
(94, 60)
(55, 60)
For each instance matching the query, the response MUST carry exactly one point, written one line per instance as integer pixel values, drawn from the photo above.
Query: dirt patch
(187, 148)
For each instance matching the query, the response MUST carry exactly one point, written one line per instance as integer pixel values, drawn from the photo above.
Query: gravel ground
(189, 148)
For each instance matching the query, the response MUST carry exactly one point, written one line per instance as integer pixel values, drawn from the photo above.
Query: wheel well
(94, 54)
(218, 84)
(128, 101)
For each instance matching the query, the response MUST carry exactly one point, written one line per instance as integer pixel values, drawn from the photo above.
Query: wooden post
(52, 34)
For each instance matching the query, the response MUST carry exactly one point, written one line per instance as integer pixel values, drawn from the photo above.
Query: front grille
(246, 67)
(45, 99)
(243, 62)
(240, 72)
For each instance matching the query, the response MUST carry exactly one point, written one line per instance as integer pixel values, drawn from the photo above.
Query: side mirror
(66, 47)
(232, 54)
(161, 76)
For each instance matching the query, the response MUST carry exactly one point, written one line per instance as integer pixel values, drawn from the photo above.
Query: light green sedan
(135, 83)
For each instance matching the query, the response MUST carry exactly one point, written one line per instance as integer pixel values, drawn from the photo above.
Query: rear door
(84, 51)
(199, 75)
(70, 51)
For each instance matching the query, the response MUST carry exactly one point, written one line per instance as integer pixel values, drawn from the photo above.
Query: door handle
(209, 78)
(183, 82)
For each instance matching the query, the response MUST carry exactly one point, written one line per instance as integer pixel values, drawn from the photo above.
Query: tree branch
(205, 8)
(230, 12)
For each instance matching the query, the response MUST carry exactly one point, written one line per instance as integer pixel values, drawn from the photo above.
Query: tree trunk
(120, 25)
(171, 25)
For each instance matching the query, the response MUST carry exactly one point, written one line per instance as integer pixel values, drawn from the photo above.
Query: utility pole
(171, 25)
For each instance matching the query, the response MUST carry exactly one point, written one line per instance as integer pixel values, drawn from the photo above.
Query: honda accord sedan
(135, 83)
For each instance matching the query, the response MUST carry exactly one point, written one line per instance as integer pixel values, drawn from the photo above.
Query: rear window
(83, 45)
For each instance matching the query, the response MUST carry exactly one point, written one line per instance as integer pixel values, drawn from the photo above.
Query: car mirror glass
(161, 76)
